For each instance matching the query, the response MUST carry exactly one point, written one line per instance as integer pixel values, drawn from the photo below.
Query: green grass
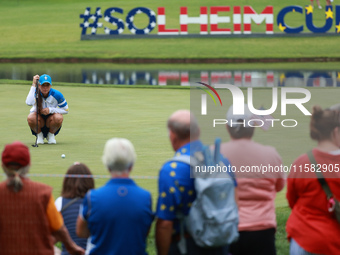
(99, 113)
(78, 68)
(282, 244)
(50, 29)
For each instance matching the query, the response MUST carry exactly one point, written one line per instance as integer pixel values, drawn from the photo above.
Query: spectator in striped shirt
(77, 182)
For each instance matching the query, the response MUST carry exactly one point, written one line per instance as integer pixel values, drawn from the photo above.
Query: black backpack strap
(319, 175)
(69, 203)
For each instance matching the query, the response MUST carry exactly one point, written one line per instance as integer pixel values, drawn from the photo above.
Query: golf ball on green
(63, 156)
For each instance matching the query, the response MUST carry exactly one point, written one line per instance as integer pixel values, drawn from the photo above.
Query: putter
(36, 100)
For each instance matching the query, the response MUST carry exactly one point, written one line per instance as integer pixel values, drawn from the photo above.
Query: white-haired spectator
(118, 215)
(119, 155)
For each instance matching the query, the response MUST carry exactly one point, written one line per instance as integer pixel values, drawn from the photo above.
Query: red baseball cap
(16, 153)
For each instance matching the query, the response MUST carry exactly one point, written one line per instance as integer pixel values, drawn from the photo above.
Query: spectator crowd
(117, 217)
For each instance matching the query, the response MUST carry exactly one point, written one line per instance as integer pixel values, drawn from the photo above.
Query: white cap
(233, 120)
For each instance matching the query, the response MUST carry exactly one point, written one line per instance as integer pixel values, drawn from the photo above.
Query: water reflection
(238, 78)
(241, 78)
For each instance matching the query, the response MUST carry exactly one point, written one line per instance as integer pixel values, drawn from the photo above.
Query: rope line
(85, 176)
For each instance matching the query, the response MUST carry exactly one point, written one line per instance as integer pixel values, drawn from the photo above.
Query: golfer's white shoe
(51, 138)
(40, 138)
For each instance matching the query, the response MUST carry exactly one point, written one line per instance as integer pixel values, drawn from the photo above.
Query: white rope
(85, 176)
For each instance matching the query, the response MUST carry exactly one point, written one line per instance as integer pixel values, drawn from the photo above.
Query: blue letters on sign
(282, 24)
(326, 27)
(152, 20)
(337, 19)
(91, 21)
(114, 21)
(95, 17)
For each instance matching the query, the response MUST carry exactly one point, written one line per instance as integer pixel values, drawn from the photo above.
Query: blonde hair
(14, 175)
(119, 155)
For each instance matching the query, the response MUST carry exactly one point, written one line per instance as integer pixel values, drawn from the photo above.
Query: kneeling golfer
(51, 107)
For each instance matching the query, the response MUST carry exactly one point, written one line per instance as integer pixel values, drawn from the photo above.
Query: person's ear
(173, 140)
(130, 168)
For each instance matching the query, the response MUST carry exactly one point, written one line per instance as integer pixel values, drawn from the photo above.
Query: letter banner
(209, 21)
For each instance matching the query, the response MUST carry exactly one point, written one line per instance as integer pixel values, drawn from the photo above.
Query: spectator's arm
(63, 236)
(55, 220)
(59, 231)
(62, 107)
(280, 184)
(163, 236)
(291, 195)
(82, 230)
(292, 192)
(30, 99)
(153, 215)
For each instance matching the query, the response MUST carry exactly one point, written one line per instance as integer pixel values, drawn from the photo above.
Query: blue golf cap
(45, 79)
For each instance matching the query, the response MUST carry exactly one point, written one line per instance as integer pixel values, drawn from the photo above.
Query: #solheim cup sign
(111, 22)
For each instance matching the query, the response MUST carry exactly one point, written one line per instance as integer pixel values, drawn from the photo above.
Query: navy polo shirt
(119, 216)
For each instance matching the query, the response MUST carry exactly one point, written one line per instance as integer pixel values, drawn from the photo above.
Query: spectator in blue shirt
(118, 215)
(176, 188)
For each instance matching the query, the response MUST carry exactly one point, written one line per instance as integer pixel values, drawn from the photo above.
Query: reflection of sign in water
(238, 78)
(208, 19)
